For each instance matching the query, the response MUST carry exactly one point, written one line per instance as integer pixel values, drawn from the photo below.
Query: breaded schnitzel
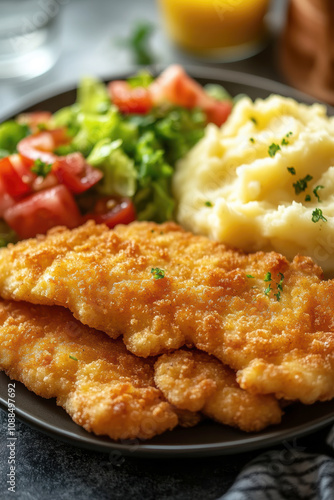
(195, 381)
(102, 386)
(162, 287)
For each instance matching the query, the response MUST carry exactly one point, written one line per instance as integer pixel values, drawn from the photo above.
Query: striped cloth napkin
(288, 474)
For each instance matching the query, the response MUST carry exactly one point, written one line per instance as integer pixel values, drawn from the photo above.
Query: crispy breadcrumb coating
(268, 319)
(195, 381)
(102, 386)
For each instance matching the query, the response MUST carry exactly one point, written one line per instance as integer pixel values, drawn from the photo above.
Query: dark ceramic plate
(208, 438)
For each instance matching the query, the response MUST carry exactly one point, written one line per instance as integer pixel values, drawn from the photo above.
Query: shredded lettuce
(93, 96)
(119, 172)
(7, 235)
(142, 79)
(136, 153)
(217, 92)
(11, 133)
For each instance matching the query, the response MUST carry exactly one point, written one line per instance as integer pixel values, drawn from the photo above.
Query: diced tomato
(218, 111)
(175, 86)
(23, 168)
(73, 171)
(47, 182)
(41, 145)
(6, 201)
(13, 183)
(112, 211)
(34, 119)
(39, 212)
(130, 100)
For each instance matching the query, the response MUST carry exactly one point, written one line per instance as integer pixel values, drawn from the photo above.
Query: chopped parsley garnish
(249, 276)
(273, 148)
(307, 197)
(301, 185)
(254, 120)
(252, 139)
(292, 170)
(73, 357)
(208, 204)
(315, 192)
(267, 279)
(40, 168)
(317, 215)
(289, 134)
(279, 287)
(284, 142)
(158, 274)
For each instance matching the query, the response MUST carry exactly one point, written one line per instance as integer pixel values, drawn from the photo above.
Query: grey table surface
(49, 469)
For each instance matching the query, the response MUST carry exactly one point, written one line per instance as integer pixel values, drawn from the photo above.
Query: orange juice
(210, 27)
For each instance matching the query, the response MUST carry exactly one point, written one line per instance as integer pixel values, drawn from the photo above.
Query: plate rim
(250, 442)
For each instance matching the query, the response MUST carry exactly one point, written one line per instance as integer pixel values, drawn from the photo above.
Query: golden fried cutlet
(195, 381)
(100, 384)
(269, 319)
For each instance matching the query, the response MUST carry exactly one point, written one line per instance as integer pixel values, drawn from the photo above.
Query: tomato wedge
(135, 100)
(175, 86)
(218, 111)
(6, 201)
(41, 211)
(13, 183)
(113, 211)
(73, 171)
(41, 145)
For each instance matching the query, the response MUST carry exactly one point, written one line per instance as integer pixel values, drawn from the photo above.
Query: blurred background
(45, 43)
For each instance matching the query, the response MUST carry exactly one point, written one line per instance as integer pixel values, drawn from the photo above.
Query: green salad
(109, 157)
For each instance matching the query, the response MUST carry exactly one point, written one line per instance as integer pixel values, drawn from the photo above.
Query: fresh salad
(108, 157)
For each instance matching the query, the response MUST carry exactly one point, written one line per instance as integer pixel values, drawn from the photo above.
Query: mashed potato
(255, 183)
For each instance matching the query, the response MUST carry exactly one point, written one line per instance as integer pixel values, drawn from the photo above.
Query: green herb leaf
(252, 139)
(315, 192)
(268, 289)
(138, 43)
(157, 273)
(317, 215)
(73, 357)
(289, 134)
(208, 204)
(280, 284)
(301, 184)
(267, 277)
(249, 276)
(254, 120)
(292, 170)
(272, 150)
(40, 168)
(307, 197)
(284, 142)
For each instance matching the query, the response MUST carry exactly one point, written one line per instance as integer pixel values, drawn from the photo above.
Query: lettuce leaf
(119, 172)
(11, 133)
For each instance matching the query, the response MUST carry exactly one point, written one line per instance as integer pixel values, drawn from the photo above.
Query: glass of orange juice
(218, 29)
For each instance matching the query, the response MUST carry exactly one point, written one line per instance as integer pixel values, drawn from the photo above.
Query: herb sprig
(317, 215)
(41, 168)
